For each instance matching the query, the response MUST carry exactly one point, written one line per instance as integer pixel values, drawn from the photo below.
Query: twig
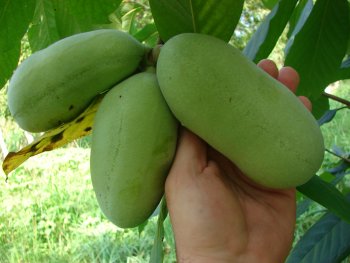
(336, 98)
(347, 160)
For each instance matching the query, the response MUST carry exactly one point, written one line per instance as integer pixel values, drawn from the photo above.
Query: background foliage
(48, 210)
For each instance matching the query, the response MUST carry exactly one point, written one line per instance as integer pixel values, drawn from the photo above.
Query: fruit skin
(241, 111)
(133, 144)
(57, 83)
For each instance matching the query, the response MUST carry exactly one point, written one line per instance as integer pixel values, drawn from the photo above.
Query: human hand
(217, 213)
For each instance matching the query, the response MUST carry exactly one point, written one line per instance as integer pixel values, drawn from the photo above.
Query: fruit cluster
(200, 81)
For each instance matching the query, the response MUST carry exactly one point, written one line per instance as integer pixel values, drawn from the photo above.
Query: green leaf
(216, 18)
(328, 196)
(299, 16)
(131, 20)
(320, 106)
(344, 71)
(269, 3)
(333, 175)
(56, 19)
(43, 31)
(328, 116)
(265, 38)
(157, 253)
(319, 48)
(146, 32)
(75, 16)
(303, 206)
(141, 227)
(328, 240)
(15, 17)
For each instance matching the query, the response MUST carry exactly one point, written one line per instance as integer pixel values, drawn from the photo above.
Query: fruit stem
(150, 58)
(155, 53)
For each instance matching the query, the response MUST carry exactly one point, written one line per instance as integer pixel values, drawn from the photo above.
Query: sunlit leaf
(79, 127)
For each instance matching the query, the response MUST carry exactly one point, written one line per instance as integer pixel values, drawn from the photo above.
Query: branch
(336, 98)
(347, 160)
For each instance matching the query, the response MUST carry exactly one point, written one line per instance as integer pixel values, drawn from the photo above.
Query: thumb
(191, 153)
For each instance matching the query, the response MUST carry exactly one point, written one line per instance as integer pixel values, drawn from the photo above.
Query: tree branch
(347, 160)
(336, 98)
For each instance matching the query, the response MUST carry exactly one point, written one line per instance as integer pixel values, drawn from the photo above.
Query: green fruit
(56, 84)
(133, 143)
(240, 110)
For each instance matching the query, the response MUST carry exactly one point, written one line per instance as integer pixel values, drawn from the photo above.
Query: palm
(224, 212)
(268, 215)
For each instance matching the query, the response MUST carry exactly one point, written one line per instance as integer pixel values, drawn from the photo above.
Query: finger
(269, 67)
(306, 102)
(189, 160)
(190, 154)
(289, 77)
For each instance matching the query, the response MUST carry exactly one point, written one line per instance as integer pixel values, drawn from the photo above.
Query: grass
(49, 214)
(48, 211)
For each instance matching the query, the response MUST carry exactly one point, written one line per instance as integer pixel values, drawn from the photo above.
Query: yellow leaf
(55, 138)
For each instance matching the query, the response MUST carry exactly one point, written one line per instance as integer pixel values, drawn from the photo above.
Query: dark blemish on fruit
(48, 148)
(80, 119)
(120, 96)
(87, 129)
(57, 137)
(33, 148)
(71, 107)
(230, 99)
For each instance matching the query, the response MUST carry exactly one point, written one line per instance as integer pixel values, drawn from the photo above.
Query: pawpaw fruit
(56, 84)
(133, 144)
(241, 111)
